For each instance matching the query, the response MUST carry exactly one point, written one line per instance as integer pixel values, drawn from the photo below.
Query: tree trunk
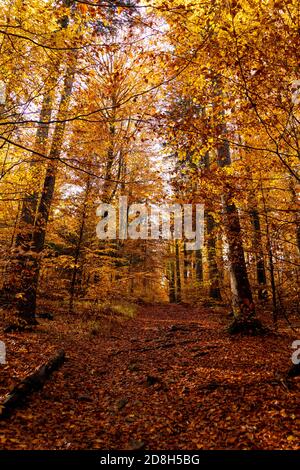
(21, 270)
(259, 256)
(213, 271)
(186, 264)
(271, 262)
(171, 277)
(177, 271)
(78, 246)
(29, 263)
(242, 301)
(199, 266)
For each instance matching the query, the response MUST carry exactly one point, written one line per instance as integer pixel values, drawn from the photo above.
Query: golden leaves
(83, 8)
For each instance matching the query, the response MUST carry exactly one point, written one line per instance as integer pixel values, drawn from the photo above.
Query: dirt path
(171, 378)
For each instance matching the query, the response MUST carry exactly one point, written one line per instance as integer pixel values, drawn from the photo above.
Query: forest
(149, 225)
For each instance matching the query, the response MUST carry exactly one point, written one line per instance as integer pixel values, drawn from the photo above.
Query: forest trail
(170, 378)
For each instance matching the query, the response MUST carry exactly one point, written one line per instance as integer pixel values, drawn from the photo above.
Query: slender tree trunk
(271, 261)
(257, 244)
(213, 271)
(16, 224)
(199, 266)
(186, 264)
(78, 245)
(172, 294)
(177, 271)
(171, 277)
(106, 194)
(259, 255)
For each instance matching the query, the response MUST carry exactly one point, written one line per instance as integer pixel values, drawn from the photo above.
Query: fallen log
(30, 383)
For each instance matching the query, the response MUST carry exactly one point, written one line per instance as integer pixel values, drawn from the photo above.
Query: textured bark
(243, 305)
(242, 301)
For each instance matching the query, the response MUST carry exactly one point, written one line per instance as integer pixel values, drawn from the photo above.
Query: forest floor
(170, 378)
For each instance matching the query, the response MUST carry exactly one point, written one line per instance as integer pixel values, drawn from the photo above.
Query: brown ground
(171, 378)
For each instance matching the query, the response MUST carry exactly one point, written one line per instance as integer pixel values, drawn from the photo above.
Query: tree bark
(199, 266)
(259, 255)
(213, 271)
(78, 246)
(242, 301)
(186, 264)
(271, 261)
(171, 278)
(177, 271)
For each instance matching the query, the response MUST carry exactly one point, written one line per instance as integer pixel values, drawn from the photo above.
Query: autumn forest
(131, 337)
